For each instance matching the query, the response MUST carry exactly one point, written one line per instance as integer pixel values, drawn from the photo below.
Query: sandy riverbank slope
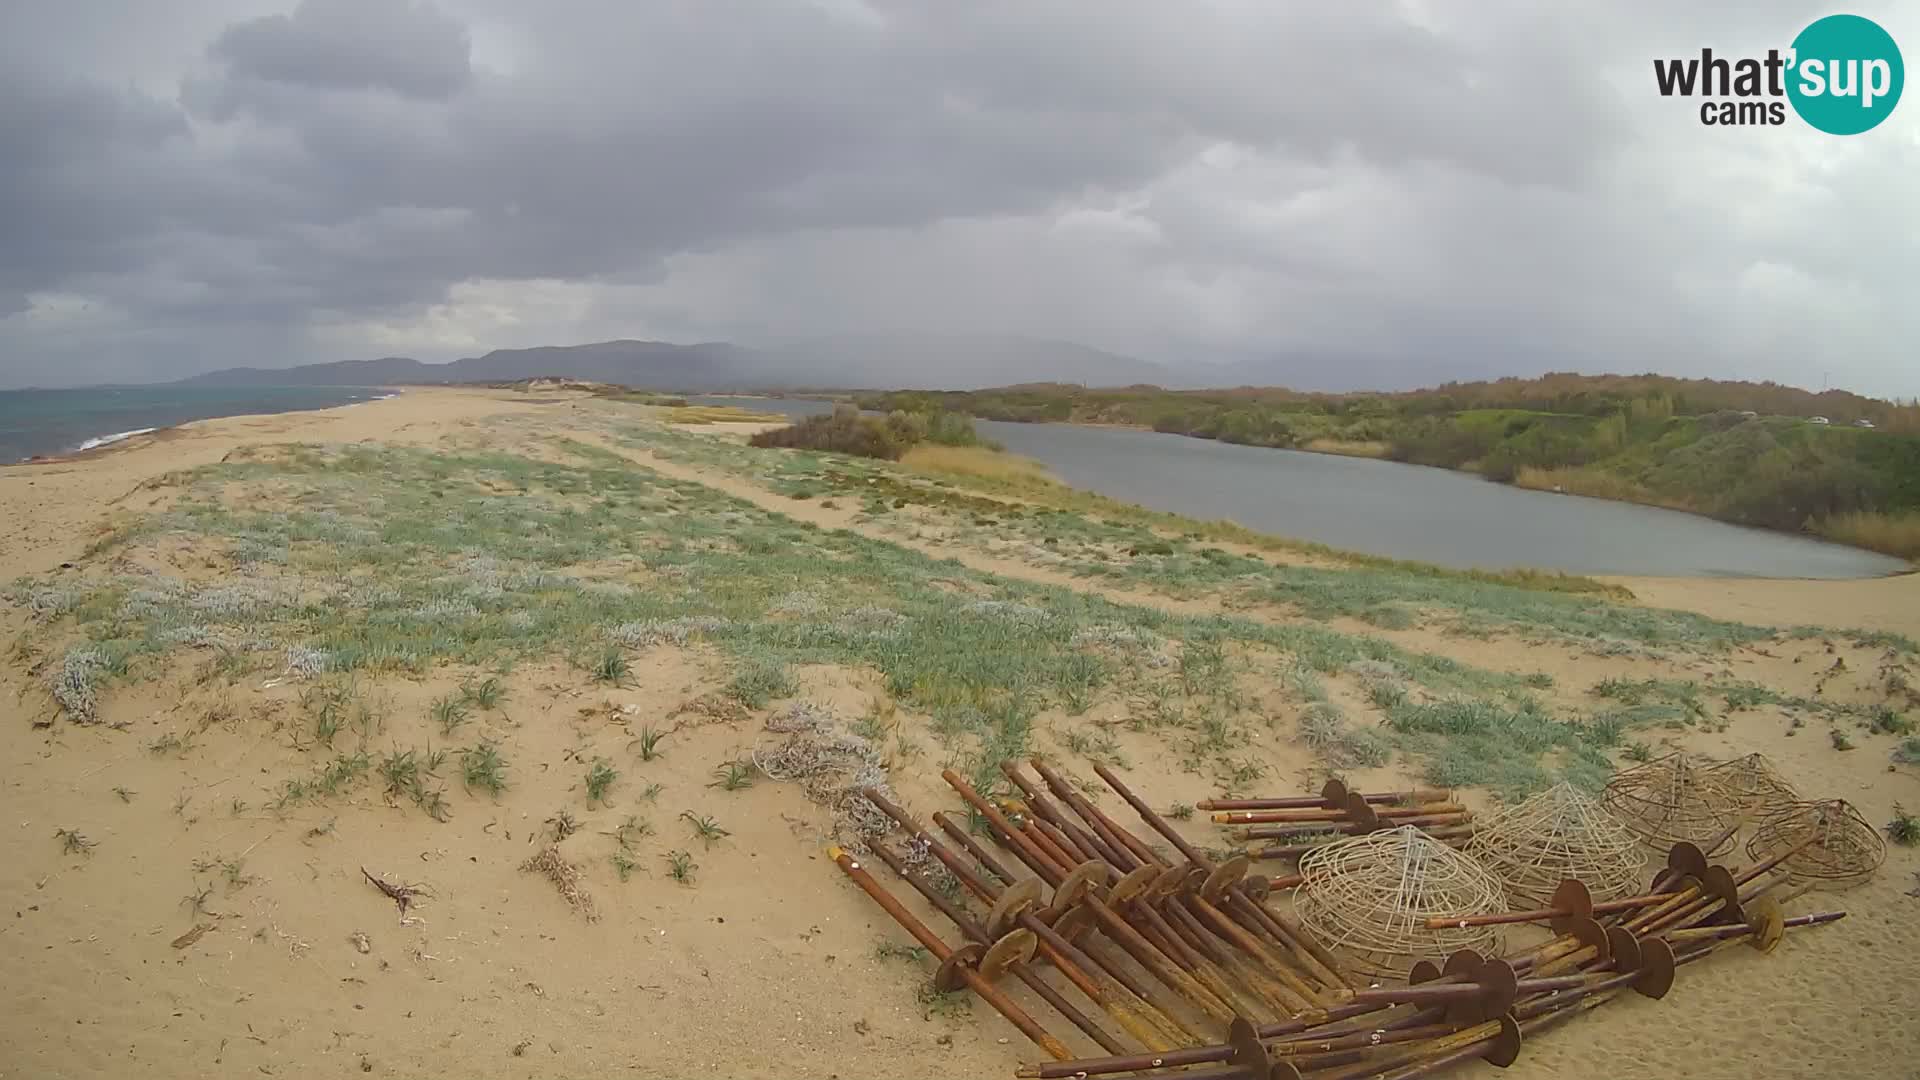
(766, 966)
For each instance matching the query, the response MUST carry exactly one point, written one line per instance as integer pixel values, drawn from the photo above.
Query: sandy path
(1889, 603)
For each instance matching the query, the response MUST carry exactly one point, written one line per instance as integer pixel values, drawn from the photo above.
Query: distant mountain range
(968, 362)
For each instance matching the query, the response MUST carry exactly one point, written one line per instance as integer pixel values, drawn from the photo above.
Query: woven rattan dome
(1844, 850)
(1675, 798)
(1371, 896)
(1560, 833)
(1755, 784)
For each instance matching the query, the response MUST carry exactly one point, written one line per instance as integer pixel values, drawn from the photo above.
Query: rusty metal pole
(1044, 807)
(1470, 1042)
(1195, 1055)
(972, 847)
(1125, 1000)
(1714, 933)
(1318, 960)
(1285, 999)
(978, 935)
(1275, 971)
(1164, 968)
(1602, 907)
(986, 991)
(1099, 822)
(1456, 837)
(1333, 796)
(1197, 953)
(1695, 902)
(1314, 835)
(1338, 816)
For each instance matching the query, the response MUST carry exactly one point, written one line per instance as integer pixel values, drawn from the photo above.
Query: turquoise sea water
(62, 421)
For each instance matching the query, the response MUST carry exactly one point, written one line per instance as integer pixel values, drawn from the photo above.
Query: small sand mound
(1560, 833)
(1371, 897)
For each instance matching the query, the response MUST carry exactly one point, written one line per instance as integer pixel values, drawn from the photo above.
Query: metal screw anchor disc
(1167, 882)
(1656, 968)
(1625, 949)
(1078, 880)
(1462, 962)
(1686, 859)
(1720, 885)
(1769, 924)
(948, 978)
(1334, 792)
(1363, 814)
(1424, 971)
(1257, 887)
(1133, 884)
(1224, 877)
(1248, 1051)
(1499, 986)
(1016, 948)
(1572, 897)
(1073, 924)
(1589, 932)
(1006, 910)
(1506, 1049)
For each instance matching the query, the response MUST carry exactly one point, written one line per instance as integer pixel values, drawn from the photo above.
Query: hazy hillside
(954, 362)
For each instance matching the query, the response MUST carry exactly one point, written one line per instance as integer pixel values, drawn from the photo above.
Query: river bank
(1396, 511)
(1832, 464)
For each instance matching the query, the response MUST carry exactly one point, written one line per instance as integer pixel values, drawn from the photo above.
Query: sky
(1452, 190)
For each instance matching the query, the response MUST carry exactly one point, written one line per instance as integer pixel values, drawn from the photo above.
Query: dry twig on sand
(401, 895)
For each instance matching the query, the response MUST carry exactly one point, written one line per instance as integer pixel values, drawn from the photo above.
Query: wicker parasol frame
(1560, 833)
(1370, 897)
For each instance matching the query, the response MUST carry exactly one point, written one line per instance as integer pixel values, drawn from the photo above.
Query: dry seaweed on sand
(565, 876)
(833, 766)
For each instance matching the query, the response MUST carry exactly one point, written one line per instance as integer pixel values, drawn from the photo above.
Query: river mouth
(1402, 511)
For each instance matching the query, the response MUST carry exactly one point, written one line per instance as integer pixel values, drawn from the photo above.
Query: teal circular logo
(1846, 75)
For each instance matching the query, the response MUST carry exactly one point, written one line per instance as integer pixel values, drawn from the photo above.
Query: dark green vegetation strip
(1685, 443)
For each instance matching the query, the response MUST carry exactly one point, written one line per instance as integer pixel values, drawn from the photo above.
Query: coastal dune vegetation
(845, 431)
(585, 680)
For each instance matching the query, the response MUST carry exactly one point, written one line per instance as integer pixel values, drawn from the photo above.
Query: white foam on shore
(99, 441)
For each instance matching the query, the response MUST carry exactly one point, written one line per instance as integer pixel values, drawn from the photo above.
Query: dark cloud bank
(1375, 193)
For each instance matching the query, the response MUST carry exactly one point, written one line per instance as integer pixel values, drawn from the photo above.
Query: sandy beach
(211, 925)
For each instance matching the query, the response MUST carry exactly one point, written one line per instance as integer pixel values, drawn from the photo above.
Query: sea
(48, 422)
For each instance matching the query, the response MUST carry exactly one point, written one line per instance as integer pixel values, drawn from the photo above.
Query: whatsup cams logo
(1842, 75)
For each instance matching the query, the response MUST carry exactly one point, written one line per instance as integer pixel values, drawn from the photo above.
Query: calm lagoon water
(1406, 511)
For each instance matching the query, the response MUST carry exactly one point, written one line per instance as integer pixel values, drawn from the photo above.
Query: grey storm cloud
(402, 46)
(1448, 190)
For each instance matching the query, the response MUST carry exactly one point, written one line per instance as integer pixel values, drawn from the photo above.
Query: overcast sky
(1459, 189)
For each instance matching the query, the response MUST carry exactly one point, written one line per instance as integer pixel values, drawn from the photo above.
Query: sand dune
(206, 932)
